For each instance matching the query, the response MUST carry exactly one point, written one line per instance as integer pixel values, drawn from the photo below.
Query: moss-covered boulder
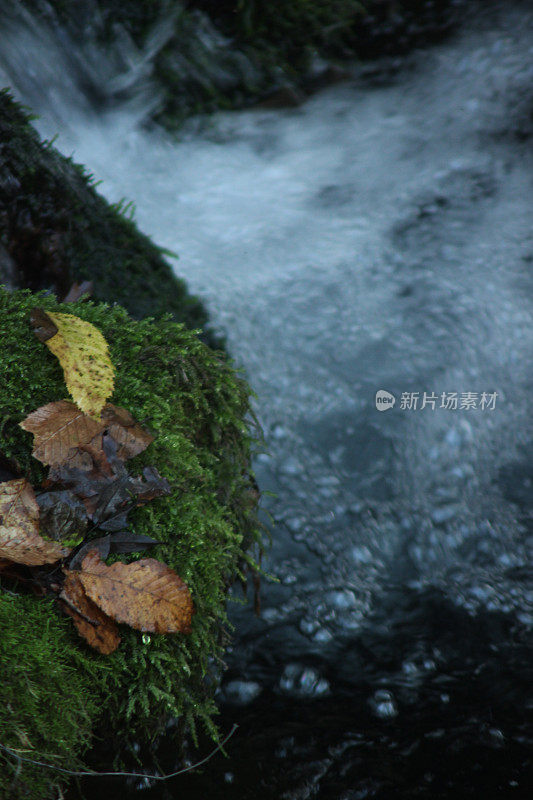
(55, 229)
(56, 692)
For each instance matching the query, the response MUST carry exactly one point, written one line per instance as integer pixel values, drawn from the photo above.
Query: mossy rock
(56, 690)
(56, 230)
(229, 54)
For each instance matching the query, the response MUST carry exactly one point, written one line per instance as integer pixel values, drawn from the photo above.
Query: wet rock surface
(376, 238)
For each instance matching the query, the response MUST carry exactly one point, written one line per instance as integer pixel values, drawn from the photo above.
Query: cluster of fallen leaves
(57, 540)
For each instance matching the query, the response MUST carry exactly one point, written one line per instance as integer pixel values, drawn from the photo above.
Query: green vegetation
(56, 690)
(47, 703)
(57, 229)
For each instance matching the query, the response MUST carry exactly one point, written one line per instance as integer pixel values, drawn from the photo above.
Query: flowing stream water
(376, 238)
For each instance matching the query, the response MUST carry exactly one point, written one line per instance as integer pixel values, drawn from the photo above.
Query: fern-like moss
(48, 705)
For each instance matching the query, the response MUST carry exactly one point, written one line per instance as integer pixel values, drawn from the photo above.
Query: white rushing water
(378, 237)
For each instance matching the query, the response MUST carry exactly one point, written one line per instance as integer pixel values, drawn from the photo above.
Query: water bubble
(342, 600)
(384, 704)
(240, 693)
(323, 636)
(444, 514)
(308, 626)
(270, 614)
(303, 681)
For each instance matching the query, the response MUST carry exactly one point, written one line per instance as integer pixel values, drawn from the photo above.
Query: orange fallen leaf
(96, 627)
(147, 595)
(19, 525)
(126, 431)
(59, 430)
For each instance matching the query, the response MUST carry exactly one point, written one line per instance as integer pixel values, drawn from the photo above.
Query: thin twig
(93, 774)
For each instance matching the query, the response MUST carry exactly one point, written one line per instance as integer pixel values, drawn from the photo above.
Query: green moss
(47, 701)
(196, 406)
(58, 230)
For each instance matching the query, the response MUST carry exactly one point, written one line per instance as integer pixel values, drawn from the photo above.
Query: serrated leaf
(147, 595)
(19, 525)
(83, 353)
(130, 437)
(60, 429)
(96, 627)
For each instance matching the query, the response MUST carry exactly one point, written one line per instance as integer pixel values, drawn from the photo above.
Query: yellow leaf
(82, 352)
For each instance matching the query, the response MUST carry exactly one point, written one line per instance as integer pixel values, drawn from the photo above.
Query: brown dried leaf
(153, 485)
(96, 627)
(146, 595)
(59, 429)
(19, 525)
(127, 433)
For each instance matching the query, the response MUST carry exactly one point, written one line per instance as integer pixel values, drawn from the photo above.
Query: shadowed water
(378, 237)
